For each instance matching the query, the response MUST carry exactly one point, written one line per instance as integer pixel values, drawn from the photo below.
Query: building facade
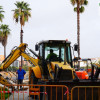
(1, 58)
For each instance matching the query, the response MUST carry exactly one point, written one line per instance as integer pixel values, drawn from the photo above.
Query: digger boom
(16, 53)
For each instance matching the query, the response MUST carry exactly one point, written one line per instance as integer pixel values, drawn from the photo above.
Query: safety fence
(85, 93)
(49, 92)
(34, 92)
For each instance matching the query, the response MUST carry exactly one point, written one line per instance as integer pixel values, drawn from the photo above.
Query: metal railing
(1, 93)
(85, 93)
(35, 92)
(49, 92)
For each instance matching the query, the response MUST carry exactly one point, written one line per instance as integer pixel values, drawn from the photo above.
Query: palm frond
(1, 38)
(81, 2)
(73, 2)
(75, 9)
(85, 2)
(1, 17)
(81, 9)
(4, 32)
(22, 13)
(1, 13)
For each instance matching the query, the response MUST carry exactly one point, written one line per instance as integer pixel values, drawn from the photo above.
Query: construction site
(54, 78)
(53, 68)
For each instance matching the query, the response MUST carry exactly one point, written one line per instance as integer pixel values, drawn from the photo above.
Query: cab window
(59, 51)
(55, 51)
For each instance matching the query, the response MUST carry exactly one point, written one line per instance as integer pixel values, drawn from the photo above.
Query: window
(41, 50)
(58, 49)
(62, 53)
(55, 50)
(69, 55)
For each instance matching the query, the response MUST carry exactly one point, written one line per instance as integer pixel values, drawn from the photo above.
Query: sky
(55, 20)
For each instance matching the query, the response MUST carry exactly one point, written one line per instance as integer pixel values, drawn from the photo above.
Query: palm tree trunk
(4, 51)
(21, 41)
(21, 35)
(78, 29)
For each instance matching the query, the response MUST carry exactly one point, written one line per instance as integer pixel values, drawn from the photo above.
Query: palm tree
(1, 18)
(0, 37)
(1, 15)
(22, 14)
(79, 9)
(4, 32)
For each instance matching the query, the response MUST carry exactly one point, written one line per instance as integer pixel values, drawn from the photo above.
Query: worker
(52, 56)
(21, 72)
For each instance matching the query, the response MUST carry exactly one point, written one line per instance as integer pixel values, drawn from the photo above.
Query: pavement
(20, 95)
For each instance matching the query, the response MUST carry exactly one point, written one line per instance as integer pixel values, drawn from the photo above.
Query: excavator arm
(4, 81)
(30, 59)
(9, 60)
(13, 56)
(36, 69)
(16, 53)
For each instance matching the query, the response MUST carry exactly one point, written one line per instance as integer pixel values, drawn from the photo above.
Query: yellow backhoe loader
(57, 69)
(48, 70)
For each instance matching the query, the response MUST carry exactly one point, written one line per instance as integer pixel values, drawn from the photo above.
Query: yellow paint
(14, 55)
(64, 67)
(37, 72)
(50, 70)
(30, 59)
(67, 66)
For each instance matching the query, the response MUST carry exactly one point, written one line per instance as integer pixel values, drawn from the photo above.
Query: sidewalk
(21, 95)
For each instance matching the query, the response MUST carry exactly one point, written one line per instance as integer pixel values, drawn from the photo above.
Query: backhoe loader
(57, 71)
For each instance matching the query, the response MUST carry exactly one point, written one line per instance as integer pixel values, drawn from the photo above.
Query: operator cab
(61, 49)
